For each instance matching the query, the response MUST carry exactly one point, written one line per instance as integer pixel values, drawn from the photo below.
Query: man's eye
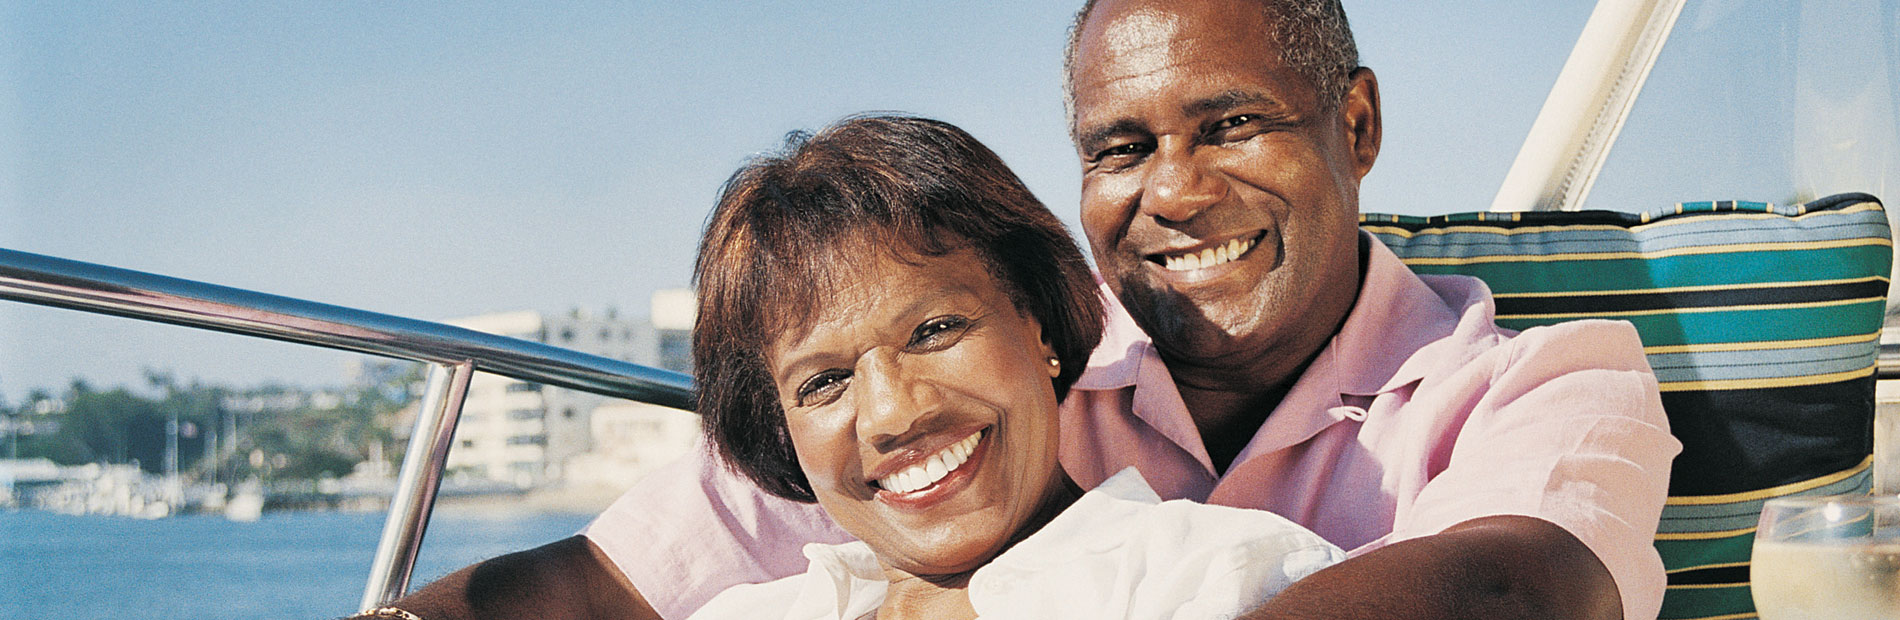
(937, 333)
(1235, 121)
(1124, 150)
(823, 387)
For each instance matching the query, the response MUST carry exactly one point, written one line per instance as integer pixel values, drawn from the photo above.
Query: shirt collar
(1396, 318)
(1081, 529)
(846, 581)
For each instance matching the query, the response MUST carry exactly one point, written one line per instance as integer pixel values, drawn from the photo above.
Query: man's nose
(892, 397)
(1178, 186)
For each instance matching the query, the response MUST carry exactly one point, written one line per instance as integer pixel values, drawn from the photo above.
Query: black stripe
(1745, 440)
(1723, 575)
(1653, 300)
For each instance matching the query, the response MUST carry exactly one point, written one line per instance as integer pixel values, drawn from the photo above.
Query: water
(285, 566)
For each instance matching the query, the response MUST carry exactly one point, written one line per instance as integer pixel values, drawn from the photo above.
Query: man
(1294, 366)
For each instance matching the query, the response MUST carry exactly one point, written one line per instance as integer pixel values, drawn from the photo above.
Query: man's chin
(1184, 333)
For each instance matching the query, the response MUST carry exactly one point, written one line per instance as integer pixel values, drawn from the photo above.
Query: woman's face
(921, 408)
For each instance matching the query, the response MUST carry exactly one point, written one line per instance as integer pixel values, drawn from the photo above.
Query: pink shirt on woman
(1420, 414)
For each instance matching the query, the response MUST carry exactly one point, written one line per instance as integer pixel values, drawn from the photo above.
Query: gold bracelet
(384, 612)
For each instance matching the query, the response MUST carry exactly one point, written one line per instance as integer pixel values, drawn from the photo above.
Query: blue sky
(446, 159)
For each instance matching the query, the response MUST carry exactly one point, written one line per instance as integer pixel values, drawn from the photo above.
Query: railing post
(422, 468)
(1585, 110)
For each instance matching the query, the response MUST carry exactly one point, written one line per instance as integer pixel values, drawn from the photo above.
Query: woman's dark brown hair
(785, 223)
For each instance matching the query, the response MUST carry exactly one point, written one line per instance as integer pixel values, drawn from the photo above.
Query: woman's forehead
(877, 285)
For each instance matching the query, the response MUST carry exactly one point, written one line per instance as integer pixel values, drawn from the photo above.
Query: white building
(630, 440)
(522, 432)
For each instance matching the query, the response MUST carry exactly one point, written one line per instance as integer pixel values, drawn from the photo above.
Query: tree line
(223, 433)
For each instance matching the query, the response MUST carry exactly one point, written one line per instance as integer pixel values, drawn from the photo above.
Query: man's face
(1219, 192)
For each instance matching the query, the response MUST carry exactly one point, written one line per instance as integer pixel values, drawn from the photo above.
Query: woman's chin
(945, 564)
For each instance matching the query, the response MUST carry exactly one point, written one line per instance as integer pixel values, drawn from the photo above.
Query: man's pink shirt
(1419, 415)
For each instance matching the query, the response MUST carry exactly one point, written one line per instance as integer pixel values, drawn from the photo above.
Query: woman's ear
(1052, 363)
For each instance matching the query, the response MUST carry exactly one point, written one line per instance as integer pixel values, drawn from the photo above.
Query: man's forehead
(1128, 40)
(1146, 36)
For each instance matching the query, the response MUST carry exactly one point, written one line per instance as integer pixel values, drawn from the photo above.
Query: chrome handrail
(452, 352)
(89, 287)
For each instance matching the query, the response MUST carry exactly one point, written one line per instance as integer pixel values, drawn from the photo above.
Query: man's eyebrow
(1225, 101)
(1102, 133)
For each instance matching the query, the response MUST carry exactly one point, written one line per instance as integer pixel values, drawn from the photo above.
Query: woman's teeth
(1210, 257)
(932, 469)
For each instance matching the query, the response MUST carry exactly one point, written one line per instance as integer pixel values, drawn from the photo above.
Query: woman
(887, 322)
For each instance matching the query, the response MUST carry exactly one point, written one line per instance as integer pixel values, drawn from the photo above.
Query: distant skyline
(453, 159)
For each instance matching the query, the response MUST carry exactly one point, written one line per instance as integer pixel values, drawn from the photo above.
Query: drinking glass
(1836, 558)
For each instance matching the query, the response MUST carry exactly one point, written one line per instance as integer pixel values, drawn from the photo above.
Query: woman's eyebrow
(796, 358)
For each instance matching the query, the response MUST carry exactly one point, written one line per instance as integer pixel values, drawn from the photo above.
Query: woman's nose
(892, 396)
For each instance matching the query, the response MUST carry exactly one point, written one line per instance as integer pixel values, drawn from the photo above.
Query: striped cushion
(1761, 322)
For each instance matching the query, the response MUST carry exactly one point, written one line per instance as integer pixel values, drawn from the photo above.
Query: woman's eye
(823, 388)
(937, 333)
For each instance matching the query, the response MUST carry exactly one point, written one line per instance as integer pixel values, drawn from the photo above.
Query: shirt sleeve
(1571, 430)
(694, 528)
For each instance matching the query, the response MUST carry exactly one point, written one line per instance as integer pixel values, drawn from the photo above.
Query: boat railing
(453, 355)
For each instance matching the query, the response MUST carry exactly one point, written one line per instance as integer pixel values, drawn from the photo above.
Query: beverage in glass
(1828, 557)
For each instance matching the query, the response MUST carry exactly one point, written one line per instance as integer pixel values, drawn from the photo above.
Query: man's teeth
(1210, 257)
(932, 469)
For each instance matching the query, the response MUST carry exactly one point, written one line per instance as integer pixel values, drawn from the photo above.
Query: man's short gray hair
(1313, 35)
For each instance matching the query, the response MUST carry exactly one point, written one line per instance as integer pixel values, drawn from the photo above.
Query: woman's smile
(935, 477)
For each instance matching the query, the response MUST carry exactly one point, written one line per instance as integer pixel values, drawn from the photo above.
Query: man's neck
(1229, 402)
(1228, 420)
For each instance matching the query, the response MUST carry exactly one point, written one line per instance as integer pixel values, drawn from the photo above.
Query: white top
(1118, 552)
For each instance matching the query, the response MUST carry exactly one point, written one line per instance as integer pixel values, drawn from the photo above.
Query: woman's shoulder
(842, 582)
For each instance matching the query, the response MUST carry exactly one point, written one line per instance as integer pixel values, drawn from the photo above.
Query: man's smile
(1206, 255)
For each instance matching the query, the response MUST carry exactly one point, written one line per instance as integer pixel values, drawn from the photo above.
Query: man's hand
(1492, 567)
(570, 578)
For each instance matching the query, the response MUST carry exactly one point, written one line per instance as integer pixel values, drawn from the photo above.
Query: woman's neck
(948, 596)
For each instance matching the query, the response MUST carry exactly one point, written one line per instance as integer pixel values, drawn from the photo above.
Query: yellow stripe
(1486, 230)
(1480, 227)
(1655, 311)
(1703, 535)
(1765, 383)
(1786, 489)
(1706, 566)
(1693, 289)
(1767, 345)
(1729, 248)
(1707, 586)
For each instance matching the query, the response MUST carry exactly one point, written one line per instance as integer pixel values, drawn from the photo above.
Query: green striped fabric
(1762, 323)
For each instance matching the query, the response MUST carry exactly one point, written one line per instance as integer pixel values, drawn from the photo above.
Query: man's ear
(1359, 111)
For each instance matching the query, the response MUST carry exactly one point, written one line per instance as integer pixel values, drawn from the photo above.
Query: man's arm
(570, 578)
(1491, 567)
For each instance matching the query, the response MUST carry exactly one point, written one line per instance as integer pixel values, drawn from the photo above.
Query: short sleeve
(693, 528)
(1570, 430)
